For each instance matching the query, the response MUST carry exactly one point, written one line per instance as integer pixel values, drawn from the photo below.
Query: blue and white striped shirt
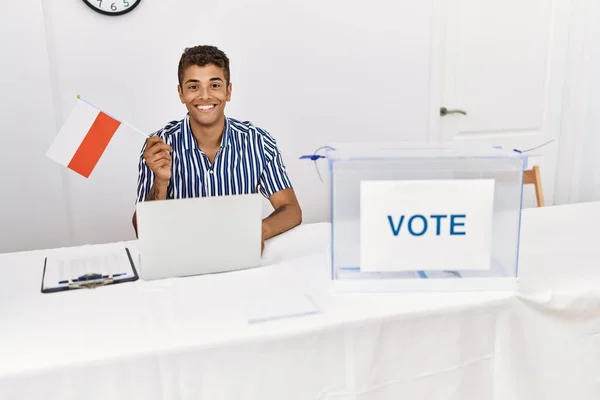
(247, 161)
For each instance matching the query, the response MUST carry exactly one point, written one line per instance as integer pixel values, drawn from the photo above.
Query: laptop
(196, 236)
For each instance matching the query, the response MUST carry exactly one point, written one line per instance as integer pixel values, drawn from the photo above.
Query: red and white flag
(84, 137)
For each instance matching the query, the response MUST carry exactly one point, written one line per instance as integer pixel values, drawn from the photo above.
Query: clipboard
(102, 268)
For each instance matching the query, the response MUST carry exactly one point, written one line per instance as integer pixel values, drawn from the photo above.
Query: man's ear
(229, 92)
(180, 93)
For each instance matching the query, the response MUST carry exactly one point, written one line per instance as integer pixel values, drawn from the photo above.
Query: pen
(91, 277)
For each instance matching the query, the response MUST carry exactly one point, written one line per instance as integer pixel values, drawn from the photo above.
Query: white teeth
(204, 108)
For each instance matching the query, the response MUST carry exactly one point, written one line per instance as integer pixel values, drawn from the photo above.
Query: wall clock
(112, 7)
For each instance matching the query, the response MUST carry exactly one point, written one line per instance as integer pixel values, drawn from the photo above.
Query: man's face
(204, 92)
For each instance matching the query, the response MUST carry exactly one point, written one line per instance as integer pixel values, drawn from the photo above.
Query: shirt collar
(189, 140)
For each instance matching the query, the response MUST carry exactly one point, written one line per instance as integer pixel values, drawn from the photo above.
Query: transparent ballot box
(424, 217)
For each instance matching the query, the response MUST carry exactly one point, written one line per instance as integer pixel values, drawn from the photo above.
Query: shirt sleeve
(274, 176)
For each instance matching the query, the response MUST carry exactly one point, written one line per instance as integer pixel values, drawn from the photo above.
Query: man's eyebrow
(214, 79)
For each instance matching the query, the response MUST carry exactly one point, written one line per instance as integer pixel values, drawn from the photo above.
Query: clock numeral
(113, 7)
(125, 3)
(100, 1)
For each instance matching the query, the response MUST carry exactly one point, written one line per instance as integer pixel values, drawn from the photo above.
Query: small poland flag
(83, 138)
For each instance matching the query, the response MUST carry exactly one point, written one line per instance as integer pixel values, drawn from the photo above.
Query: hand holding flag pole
(84, 137)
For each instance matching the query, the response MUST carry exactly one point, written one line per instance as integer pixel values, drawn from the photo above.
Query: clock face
(112, 7)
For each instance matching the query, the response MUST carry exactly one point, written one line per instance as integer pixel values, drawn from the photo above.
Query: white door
(502, 63)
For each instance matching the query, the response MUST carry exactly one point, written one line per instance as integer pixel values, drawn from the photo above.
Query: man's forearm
(158, 191)
(282, 219)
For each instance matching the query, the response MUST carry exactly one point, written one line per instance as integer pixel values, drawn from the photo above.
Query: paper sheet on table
(65, 266)
(278, 305)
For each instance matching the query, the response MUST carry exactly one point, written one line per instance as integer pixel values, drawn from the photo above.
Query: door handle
(445, 111)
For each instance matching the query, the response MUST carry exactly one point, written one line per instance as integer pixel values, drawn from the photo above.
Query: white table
(188, 338)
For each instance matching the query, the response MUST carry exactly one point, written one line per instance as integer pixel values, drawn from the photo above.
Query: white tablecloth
(189, 338)
(551, 349)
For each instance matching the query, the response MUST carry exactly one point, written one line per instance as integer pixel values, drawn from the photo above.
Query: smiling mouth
(205, 108)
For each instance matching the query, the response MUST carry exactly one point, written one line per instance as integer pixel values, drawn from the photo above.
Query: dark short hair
(202, 56)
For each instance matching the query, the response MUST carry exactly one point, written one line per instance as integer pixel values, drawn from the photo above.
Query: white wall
(578, 177)
(311, 72)
(32, 208)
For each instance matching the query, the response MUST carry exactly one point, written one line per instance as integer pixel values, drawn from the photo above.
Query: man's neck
(208, 137)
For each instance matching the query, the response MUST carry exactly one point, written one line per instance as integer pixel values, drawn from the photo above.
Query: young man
(209, 154)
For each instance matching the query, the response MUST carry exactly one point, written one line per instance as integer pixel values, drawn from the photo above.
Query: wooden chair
(532, 176)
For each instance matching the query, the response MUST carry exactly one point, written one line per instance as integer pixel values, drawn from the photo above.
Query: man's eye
(193, 87)
(216, 85)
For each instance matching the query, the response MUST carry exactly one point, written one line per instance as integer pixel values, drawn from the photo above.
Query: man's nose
(204, 93)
